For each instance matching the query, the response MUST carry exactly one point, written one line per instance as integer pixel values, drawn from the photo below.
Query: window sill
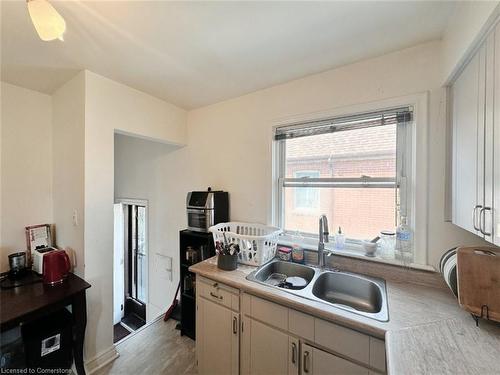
(352, 250)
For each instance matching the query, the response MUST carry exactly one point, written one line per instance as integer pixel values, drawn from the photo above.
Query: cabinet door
(294, 355)
(319, 362)
(486, 218)
(268, 349)
(465, 115)
(495, 213)
(307, 361)
(217, 339)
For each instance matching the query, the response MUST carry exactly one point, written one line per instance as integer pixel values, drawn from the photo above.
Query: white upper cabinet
(476, 143)
(465, 94)
(495, 215)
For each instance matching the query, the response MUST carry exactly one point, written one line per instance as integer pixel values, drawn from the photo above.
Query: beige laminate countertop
(427, 331)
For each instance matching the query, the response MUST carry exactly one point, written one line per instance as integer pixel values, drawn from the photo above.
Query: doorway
(130, 272)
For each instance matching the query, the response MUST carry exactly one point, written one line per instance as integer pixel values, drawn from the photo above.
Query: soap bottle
(339, 239)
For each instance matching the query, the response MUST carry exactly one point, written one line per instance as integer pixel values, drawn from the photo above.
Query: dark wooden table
(28, 302)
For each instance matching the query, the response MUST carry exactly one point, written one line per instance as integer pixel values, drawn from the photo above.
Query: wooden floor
(157, 349)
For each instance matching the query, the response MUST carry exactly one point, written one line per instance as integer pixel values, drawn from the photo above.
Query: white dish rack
(257, 242)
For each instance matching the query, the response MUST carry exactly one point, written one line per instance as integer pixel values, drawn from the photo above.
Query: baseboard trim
(101, 360)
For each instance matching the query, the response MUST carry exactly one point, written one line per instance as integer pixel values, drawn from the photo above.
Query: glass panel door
(138, 253)
(142, 261)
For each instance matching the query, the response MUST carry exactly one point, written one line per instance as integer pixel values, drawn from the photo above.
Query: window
(306, 198)
(352, 168)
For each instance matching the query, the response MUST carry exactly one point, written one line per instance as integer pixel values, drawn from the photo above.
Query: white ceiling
(197, 53)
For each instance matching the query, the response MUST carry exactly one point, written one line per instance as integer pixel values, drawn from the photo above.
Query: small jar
(297, 249)
(191, 255)
(285, 253)
(387, 244)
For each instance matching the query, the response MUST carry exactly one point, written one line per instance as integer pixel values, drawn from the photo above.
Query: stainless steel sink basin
(349, 290)
(359, 294)
(270, 273)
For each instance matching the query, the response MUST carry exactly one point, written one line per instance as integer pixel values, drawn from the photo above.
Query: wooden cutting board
(478, 274)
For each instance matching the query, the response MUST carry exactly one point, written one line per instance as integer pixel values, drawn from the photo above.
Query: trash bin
(48, 342)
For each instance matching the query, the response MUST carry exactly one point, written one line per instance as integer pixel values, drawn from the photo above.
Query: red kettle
(56, 266)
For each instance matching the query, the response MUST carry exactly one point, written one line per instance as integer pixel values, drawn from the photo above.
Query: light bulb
(48, 23)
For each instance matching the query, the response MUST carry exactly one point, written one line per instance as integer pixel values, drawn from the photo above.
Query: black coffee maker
(17, 264)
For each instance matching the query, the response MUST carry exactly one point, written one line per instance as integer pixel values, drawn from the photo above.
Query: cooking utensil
(370, 248)
(276, 279)
(478, 274)
(56, 266)
(295, 282)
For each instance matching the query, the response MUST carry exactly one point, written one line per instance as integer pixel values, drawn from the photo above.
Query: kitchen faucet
(323, 237)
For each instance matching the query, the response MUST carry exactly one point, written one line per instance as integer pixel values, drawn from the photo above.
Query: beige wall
(68, 163)
(465, 25)
(139, 174)
(110, 107)
(26, 166)
(57, 159)
(229, 147)
(229, 143)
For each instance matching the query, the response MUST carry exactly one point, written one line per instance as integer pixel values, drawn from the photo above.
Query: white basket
(257, 242)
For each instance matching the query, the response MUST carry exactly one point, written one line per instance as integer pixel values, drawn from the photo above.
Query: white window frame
(416, 167)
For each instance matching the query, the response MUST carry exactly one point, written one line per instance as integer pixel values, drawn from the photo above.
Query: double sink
(359, 294)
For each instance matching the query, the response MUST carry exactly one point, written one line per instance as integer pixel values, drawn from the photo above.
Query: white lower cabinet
(318, 362)
(272, 339)
(266, 350)
(217, 335)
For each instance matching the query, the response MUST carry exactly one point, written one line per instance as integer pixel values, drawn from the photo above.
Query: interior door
(118, 264)
(138, 274)
(142, 260)
(466, 109)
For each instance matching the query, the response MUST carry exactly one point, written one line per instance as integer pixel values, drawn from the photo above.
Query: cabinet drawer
(219, 293)
(342, 340)
(269, 313)
(301, 324)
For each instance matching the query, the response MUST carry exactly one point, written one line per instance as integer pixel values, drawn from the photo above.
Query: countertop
(427, 331)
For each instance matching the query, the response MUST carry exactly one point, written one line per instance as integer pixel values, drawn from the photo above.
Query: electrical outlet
(75, 217)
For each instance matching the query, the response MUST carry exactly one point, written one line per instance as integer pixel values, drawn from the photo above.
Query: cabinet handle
(235, 325)
(474, 217)
(482, 220)
(306, 362)
(294, 353)
(216, 296)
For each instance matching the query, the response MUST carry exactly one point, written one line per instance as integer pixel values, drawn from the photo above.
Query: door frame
(144, 203)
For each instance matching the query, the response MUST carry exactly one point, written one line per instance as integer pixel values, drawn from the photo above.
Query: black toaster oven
(206, 208)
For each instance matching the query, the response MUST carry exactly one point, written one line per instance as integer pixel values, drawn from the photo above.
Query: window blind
(342, 123)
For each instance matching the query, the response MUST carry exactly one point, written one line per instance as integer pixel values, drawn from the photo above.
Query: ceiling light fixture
(48, 23)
